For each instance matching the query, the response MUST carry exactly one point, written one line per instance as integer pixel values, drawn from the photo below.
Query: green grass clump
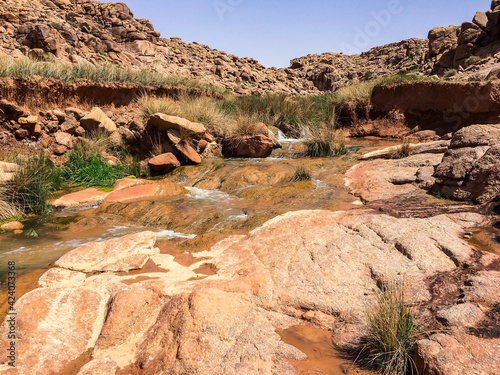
(91, 170)
(301, 174)
(32, 184)
(391, 332)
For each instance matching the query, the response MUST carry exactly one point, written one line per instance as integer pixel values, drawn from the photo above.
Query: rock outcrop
(317, 266)
(471, 167)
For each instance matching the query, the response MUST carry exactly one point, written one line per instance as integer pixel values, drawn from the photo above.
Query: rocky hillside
(88, 31)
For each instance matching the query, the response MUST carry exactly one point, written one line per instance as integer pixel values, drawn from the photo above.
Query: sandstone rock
(458, 163)
(99, 367)
(59, 149)
(71, 318)
(373, 180)
(117, 255)
(22, 133)
(457, 355)
(465, 314)
(202, 332)
(476, 135)
(12, 226)
(61, 116)
(185, 152)
(441, 39)
(60, 277)
(64, 139)
(164, 163)
(261, 128)
(483, 287)
(257, 146)
(164, 123)
(11, 110)
(77, 113)
(481, 19)
(29, 120)
(148, 190)
(471, 167)
(87, 197)
(69, 125)
(97, 120)
(131, 313)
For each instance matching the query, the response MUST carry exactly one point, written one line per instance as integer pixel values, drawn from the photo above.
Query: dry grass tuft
(391, 332)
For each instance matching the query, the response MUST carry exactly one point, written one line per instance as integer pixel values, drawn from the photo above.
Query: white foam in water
(212, 195)
(169, 234)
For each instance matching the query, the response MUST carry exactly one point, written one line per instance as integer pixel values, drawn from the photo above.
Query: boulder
(29, 120)
(164, 163)
(117, 255)
(261, 128)
(12, 226)
(256, 146)
(97, 120)
(69, 125)
(84, 198)
(480, 19)
(470, 169)
(164, 123)
(64, 139)
(442, 39)
(186, 154)
(131, 313)
(61, 277)
(54, 326)
(465, 314)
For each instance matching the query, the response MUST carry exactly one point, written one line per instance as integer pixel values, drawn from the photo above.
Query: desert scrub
(323, 142)
(401, 151)
(391, 332)
(301, 174)
(102, 73)
(36, 179)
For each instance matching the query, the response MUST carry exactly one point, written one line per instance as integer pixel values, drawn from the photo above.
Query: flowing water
(223, 197)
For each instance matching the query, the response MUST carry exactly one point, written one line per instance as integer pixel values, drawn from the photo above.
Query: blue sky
(273, 32)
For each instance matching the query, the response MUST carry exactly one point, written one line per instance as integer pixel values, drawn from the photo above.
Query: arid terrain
(168, 208)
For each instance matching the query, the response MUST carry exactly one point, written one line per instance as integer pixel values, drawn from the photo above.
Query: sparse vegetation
(322, 142)
(32, 184)
(473, 60)
(102, 73)
(401, 151)
(391, 332)
(450, 73)
(301, 174)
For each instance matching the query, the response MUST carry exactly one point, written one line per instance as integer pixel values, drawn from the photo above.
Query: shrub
(391, 332)
(473, 60)
(322, 142)
(301, 174)
(450, 73)
(35, 180)
(402, 151)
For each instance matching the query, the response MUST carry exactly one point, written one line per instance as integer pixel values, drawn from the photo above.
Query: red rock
(153, 190)
(164, 123)
(12, 226)
(164, 163)
(54, 326)
(87, 197)
(120, 254)
(257, 146)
